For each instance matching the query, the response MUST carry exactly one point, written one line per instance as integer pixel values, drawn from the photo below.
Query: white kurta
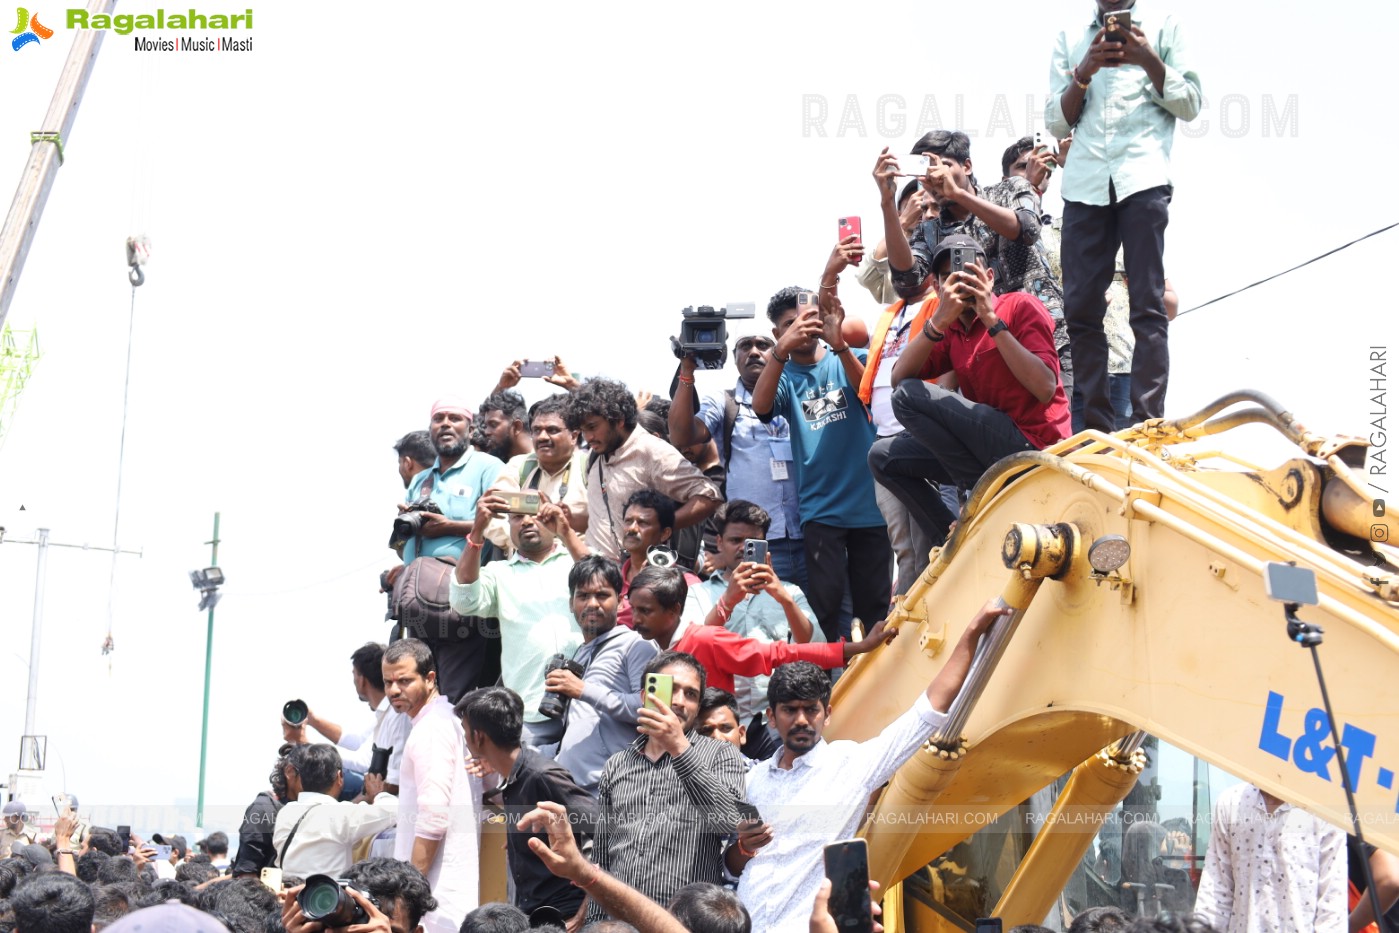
(439, 800)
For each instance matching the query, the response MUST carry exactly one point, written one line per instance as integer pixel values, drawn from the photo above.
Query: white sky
(373, 207)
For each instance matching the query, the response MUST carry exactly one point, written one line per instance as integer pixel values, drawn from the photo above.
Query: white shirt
(1265, 872)
(817, 802)
(325, 839)
(390, 731)
(896, 338)
(439, 800)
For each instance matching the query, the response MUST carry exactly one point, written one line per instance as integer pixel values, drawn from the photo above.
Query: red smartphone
(849, 226)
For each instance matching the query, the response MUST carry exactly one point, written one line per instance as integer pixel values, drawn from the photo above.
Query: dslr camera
(408, 524)
(554, 704)
(324, 900)
(704, 336)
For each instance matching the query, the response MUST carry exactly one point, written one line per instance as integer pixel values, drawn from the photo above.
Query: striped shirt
(665, 822)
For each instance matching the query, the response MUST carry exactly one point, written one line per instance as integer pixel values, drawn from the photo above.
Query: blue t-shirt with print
(831, 440)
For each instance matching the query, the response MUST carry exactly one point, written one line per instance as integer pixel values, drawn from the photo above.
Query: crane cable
(138, 250)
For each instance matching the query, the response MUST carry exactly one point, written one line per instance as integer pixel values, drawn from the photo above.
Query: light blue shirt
(761, 618)
(750, 469)
(455, 490)
(1125, 132)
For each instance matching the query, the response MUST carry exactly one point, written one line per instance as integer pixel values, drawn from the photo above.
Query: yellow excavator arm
(1136, 570)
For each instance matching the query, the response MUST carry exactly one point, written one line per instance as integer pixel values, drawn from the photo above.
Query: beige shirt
(9, 838)
(642, 462)
(569, 479)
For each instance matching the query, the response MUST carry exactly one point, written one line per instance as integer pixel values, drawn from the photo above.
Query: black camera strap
(282, 855)
(606, 503)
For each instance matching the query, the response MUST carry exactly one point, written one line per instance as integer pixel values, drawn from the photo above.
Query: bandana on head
(450, 403)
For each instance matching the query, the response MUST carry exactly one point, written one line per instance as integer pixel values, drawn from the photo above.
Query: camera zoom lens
(320, 900)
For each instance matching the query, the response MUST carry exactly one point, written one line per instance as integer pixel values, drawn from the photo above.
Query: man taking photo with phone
(749, 600)
(1119, 84)
(669, 797)
(999, 349)
(528, 593)
(816, 390)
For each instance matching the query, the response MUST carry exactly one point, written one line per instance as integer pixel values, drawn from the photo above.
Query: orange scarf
(881, 330)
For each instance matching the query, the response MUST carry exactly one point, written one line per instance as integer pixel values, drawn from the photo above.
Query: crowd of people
(616, 616)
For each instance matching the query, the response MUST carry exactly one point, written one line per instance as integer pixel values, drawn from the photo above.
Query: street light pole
(208, 665)
(31, 701)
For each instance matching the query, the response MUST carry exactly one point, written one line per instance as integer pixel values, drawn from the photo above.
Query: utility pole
(31, 748)
(208, 666)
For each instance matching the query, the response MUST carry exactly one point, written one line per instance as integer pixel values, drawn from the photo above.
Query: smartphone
(536, 369)
(124, 835)
(849, 226)
(524, 502)
(755, 550)
(660, 686)
(962, 256)
(1118, 24)
(807, 300)
(271, 879)
(1045, 142)
(748, 812)
(162, 853)
(848, 867)
(988, 925)
(914, 165)
(1289, 584)
(61, 803)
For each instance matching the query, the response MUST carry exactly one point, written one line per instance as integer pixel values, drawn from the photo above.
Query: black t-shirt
(535, 779)
(255, 850)
(1355, 869)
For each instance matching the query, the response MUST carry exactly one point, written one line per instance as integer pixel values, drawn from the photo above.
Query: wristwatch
(996, 328)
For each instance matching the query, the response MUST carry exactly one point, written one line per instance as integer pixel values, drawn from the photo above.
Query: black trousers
(946, 439)
(839, 557)
(1092, 235)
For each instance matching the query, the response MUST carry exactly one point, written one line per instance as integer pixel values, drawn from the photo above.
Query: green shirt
(1125, 131)
(531, 601)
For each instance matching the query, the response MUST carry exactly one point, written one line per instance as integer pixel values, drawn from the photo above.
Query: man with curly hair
(623, 460)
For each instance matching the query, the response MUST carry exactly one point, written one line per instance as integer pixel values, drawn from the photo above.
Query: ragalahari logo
(28, 29)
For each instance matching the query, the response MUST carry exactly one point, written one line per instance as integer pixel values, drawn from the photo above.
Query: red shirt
(725, 654)
(983, 376)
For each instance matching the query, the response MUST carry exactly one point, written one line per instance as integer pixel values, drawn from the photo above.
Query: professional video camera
(704, 336)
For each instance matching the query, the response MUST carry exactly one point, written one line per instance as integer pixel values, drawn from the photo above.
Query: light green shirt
(531, 601)
(1125, 132)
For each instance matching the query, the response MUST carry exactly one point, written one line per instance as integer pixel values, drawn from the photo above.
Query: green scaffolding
(19, 351)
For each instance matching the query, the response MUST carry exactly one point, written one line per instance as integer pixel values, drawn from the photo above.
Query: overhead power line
(1293, 269)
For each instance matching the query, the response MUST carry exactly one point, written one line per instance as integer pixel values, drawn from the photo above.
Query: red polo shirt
(726, 655)
(984, 377)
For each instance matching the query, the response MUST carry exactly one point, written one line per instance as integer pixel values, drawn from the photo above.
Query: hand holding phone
(536, 369)
(659, 688)
(753, 833)
(848, 227)
(848, 868)
(915, 166)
